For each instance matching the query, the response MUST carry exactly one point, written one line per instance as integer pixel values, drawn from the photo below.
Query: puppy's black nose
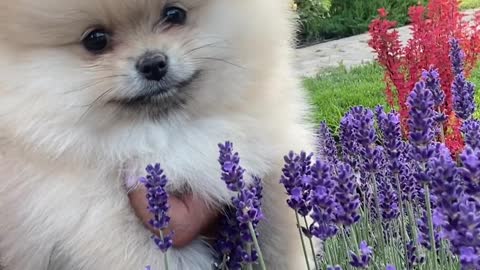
(153, 66)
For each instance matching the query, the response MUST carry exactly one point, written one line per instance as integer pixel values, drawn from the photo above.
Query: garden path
(351, 51)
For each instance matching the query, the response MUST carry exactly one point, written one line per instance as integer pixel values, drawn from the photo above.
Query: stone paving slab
(351, 51)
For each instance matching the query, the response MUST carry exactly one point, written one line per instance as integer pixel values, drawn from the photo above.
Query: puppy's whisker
(210, 45)
(202, 38)
(220, 60)
(96, 82)
(92, 105)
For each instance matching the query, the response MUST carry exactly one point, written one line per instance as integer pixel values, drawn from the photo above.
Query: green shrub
(309, 12)
(321, 20)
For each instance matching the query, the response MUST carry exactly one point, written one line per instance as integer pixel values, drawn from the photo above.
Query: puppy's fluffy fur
(67, 129)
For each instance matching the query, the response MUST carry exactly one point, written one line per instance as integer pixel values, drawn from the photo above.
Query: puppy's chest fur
(64, 206)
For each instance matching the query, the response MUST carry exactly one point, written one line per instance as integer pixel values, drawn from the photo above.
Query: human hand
(189, 215)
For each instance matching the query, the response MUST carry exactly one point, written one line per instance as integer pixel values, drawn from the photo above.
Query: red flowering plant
(432, 28)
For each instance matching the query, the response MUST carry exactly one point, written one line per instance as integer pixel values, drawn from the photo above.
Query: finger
(189, 216)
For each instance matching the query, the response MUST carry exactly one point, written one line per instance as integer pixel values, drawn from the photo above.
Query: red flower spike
(432, 27)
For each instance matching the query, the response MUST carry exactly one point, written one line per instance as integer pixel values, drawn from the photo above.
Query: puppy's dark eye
(96, 41)
(175, 15)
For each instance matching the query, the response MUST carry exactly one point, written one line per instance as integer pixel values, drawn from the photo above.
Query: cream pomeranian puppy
(87, 86)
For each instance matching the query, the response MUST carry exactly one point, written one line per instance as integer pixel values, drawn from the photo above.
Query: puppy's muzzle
(153, 66)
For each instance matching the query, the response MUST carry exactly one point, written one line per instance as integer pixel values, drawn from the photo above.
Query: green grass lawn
(335, 91)
(467, 4)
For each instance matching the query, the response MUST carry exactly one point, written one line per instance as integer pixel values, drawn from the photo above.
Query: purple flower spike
(463, 97)
(457, 56)
(390, 267)
(296, 179)
(408, 183)
(471, 131)
(470, 172)
(364, 126)
(388, 200)
(347, 198)
(157, 197)
(424, 233)
(421, 122)
(463, 91)
(469, 258)
(457, 211)
(422, 127)
(232, 172)
(248, 203)
(432, 82)
(392, 138)
(369, 156)
(337, 267)
(412, 259)
(362, 259)
(327, 145)
(322, 201)
(443, 172)
(365, 135)
(234, 234)
(462, 227)
(349, 145)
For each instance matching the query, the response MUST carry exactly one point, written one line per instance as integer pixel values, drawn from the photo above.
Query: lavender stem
(311, 246)
(257, 246)
(303, 241)
(430, 225)
(249, 250)
(165, 253)
(402, 220)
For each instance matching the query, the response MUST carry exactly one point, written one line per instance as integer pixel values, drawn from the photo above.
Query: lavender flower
(236, 233)
(412, 259)
(247, 203)
(463, 97)
(327, 145)
(461, 226)
(390, 267)
(229, 243)
(432, 82)
(296, 179)
(457, 212)
(471, 131)
(424, 233)
(408, 183)
(463, 91)
(349, 145)
(347, 198)
(457, 56)
(363, 258)
(444, 176)
(388, 200)
(469, 258)
(232, 172)
(157, 197)
(370, 156)
(337, 267)
(470, 173)
(322, 201)
(366, 137)
(228, 235)
(390, 127)
(422, 132)
(421, 122)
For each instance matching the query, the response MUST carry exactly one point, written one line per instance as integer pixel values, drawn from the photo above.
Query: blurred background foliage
(322, 20)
